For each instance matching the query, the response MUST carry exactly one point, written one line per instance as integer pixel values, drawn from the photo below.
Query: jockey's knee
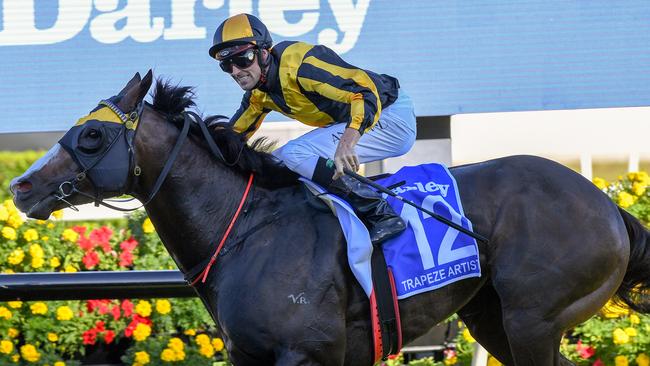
(298, 157)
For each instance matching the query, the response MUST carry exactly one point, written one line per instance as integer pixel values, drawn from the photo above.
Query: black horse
(559, 248)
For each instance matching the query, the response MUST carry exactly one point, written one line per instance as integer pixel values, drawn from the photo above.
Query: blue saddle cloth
(429, 254)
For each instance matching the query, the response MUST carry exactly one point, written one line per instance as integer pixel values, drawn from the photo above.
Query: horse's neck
(194, 205)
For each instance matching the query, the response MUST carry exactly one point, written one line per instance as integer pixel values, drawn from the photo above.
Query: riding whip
(440, 218)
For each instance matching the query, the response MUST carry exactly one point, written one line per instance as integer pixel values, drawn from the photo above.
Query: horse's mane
(255, 157)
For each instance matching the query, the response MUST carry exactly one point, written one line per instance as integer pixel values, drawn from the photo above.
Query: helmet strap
(263, 64)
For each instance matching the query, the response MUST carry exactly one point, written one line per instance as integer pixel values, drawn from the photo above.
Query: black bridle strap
(211, 143)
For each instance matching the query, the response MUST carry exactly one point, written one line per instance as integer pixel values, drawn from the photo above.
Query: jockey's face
(248, 77)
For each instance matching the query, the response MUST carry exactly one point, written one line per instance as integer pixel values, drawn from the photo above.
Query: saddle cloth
(428, 254)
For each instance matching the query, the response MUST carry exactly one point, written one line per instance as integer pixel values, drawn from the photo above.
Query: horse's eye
(91, 140)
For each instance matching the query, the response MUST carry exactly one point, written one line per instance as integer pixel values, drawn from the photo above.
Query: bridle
(126, 125)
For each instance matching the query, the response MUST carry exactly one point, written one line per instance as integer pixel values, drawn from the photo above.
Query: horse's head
(93, 160)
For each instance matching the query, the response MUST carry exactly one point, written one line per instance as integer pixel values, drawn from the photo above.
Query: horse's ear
(130, 84)
(137, 92)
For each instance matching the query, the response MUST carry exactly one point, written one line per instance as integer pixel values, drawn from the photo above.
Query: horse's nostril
(21, 186)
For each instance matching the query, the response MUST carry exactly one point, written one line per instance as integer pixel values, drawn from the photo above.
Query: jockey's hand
(345, 156)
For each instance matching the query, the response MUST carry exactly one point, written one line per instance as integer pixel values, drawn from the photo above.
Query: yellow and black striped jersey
(313, 85)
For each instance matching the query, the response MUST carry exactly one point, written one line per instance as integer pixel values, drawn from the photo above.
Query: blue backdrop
(58, 58)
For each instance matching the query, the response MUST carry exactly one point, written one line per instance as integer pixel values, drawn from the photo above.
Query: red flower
(90, 260)
(599, 362)
(81, 230)
(126, 258)
(90, 336)
(585, 351)
(137, 319)
(115, 311)
(99, 326)
(127, 307)
(109, 336)
(102, 237)
(85, 243)
(129, 244)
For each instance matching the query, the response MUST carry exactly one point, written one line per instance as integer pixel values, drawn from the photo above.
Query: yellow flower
(179, 355)
(142, 358)
(70, 268)
(217, 343)
(168, 355)
(5, 313)
(6, 347)
(4, 213)
(8, 271)
(36, 251)
(643, 177)
(13, 332)
(620, 337)
(39, 308)
(207, 350)
(58, 214)
(141, 332)
(15, 220)
(15, 358)
(451, 360)
(614, 310)
(468, 336)
(143, 308)
(37, 262)
(630, 331)
(29, 353)
(176, 344)
(50, 225)
(52, 337)
(55, 262)
(625, 199)
(59, 363)
(45, 238)
(9, 233)
(15, 304)
(16, 256)
(163, 306)
(643, 360)
(64, 313)
(30, 235)
(190, 332)
(70, 235)
(147, 226)
(600, 183)
(620, 360)
(638, 188)
(202, 339)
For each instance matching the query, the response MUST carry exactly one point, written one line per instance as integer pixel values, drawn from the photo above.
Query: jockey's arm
(249, 116)
(364, 112)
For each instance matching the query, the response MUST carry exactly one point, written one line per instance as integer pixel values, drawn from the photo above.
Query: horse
(558, 248)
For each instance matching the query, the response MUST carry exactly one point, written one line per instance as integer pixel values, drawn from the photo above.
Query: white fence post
(633, 162)
(480, 357)
(585, 166)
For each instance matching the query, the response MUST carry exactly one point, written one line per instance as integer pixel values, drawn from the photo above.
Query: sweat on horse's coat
(559, 249)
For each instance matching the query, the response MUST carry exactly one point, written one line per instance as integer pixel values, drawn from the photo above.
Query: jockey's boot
(380, 219)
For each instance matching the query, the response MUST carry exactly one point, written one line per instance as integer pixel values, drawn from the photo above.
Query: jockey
(363, 116)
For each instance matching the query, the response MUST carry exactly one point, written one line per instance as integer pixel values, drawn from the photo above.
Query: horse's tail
(635, 289)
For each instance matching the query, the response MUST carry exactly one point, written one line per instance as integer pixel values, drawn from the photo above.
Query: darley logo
(114, 21)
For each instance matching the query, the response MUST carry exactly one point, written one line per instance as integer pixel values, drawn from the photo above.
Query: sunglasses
(242, 60)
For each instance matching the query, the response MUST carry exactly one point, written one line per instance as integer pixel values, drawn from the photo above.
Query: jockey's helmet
(236, 31)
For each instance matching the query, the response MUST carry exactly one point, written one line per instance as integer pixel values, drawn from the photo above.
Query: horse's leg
(482, 315)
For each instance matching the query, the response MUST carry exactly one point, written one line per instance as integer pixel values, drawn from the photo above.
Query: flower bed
(58, 333)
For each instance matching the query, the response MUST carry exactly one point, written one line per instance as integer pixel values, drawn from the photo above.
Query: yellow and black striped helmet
(238, 29)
